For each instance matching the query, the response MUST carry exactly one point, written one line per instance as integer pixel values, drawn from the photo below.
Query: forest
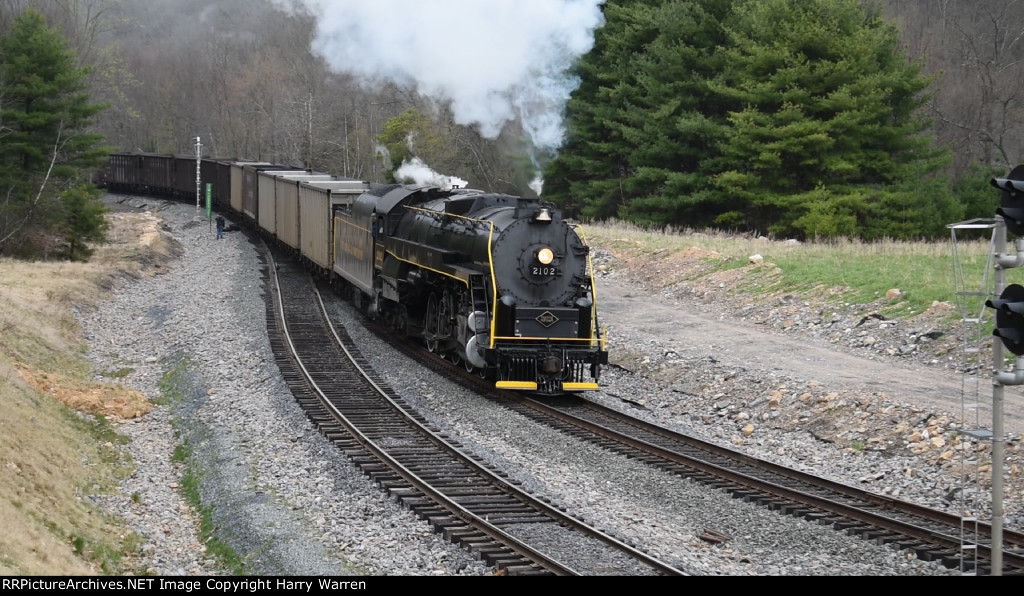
(792, 118)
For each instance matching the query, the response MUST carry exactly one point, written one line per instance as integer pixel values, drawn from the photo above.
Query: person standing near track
(220, 227)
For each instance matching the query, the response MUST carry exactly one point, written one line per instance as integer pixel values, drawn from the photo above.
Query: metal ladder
(972, 290)
(478, 294)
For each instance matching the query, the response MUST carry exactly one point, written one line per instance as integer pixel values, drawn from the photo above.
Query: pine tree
(46, 147)
(83, 223)
(827, 140)
(586, 176)
(796, 117)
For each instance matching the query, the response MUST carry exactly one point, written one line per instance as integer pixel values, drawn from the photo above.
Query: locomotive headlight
(545, 256)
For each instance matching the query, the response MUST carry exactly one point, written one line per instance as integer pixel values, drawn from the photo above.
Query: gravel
(277, 493)
(288, 503)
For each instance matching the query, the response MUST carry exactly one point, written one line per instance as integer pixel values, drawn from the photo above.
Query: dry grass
(55, 442)
(631, 238)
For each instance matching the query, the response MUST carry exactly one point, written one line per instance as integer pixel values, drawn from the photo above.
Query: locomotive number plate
(544, 271)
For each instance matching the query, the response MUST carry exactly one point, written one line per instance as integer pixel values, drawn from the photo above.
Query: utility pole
(199, 178)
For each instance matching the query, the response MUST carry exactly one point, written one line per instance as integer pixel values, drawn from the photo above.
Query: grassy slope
(847, 271)
(51, 455)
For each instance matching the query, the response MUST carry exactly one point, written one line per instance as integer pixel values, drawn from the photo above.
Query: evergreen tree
(408, 135)
(797, 117)
(975, 192)
(83, 222)
(46, 148)
(827, 140)
(594, 162)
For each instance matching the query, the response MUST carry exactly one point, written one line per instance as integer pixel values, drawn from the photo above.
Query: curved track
(469, 502)
(930, 534)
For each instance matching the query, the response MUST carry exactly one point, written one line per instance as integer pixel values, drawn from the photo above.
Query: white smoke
(495, 60)
(421, 175)
(537, 184)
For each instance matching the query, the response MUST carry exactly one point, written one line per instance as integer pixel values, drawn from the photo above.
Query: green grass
(844, 271)
(215, 547)
(180, 454)
(921, 273)
(119, 373)
(173, 388)
(170, 384)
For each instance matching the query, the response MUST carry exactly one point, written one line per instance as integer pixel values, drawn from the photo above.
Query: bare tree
(975, 49)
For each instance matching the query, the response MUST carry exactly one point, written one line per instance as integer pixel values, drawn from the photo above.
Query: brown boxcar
(156, 172)
(185, 177)
(209, 171)
(123, 172)
(222, 185)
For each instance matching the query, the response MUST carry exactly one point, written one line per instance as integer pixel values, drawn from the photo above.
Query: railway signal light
(1011, 203)
(1010, 318)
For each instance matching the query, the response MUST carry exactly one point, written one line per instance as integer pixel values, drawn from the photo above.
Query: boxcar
(123, 171)
(222, 185)
(156, 173)
(185, 177)
(251, 186)
(317, 202)
(286, 205)
(238, 181)
(266, 197)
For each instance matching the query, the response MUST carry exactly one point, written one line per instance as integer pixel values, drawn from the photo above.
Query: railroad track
(470, 503)
(931, 534)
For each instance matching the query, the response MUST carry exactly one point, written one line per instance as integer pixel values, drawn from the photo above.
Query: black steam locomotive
(500, 284)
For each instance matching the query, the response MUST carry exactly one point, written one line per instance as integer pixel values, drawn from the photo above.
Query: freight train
(500, 284)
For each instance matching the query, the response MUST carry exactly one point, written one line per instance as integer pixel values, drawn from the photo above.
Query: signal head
(1011, 203)
(1010, 318)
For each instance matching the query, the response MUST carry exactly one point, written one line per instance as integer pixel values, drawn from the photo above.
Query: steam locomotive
(502, 285)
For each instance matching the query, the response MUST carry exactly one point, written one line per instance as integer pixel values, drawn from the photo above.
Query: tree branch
(58, 146)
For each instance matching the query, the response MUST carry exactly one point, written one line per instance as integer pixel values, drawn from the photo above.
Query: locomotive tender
(500, 284)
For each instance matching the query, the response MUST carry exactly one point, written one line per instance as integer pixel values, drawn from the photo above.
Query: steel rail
(453, 507)
(873, 510)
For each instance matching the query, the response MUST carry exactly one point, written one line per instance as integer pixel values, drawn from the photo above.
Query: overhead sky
(494, 60)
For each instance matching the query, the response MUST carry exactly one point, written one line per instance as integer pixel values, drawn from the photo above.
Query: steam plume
(421, 174)
(495, 60)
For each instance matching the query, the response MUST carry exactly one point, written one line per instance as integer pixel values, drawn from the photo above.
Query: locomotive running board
(516, 385)
(531, 386)
(580, 386)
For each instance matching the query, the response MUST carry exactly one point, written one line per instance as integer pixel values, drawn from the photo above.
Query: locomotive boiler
(498, 283)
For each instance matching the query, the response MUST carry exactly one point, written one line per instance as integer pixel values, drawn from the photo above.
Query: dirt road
(688, 331)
